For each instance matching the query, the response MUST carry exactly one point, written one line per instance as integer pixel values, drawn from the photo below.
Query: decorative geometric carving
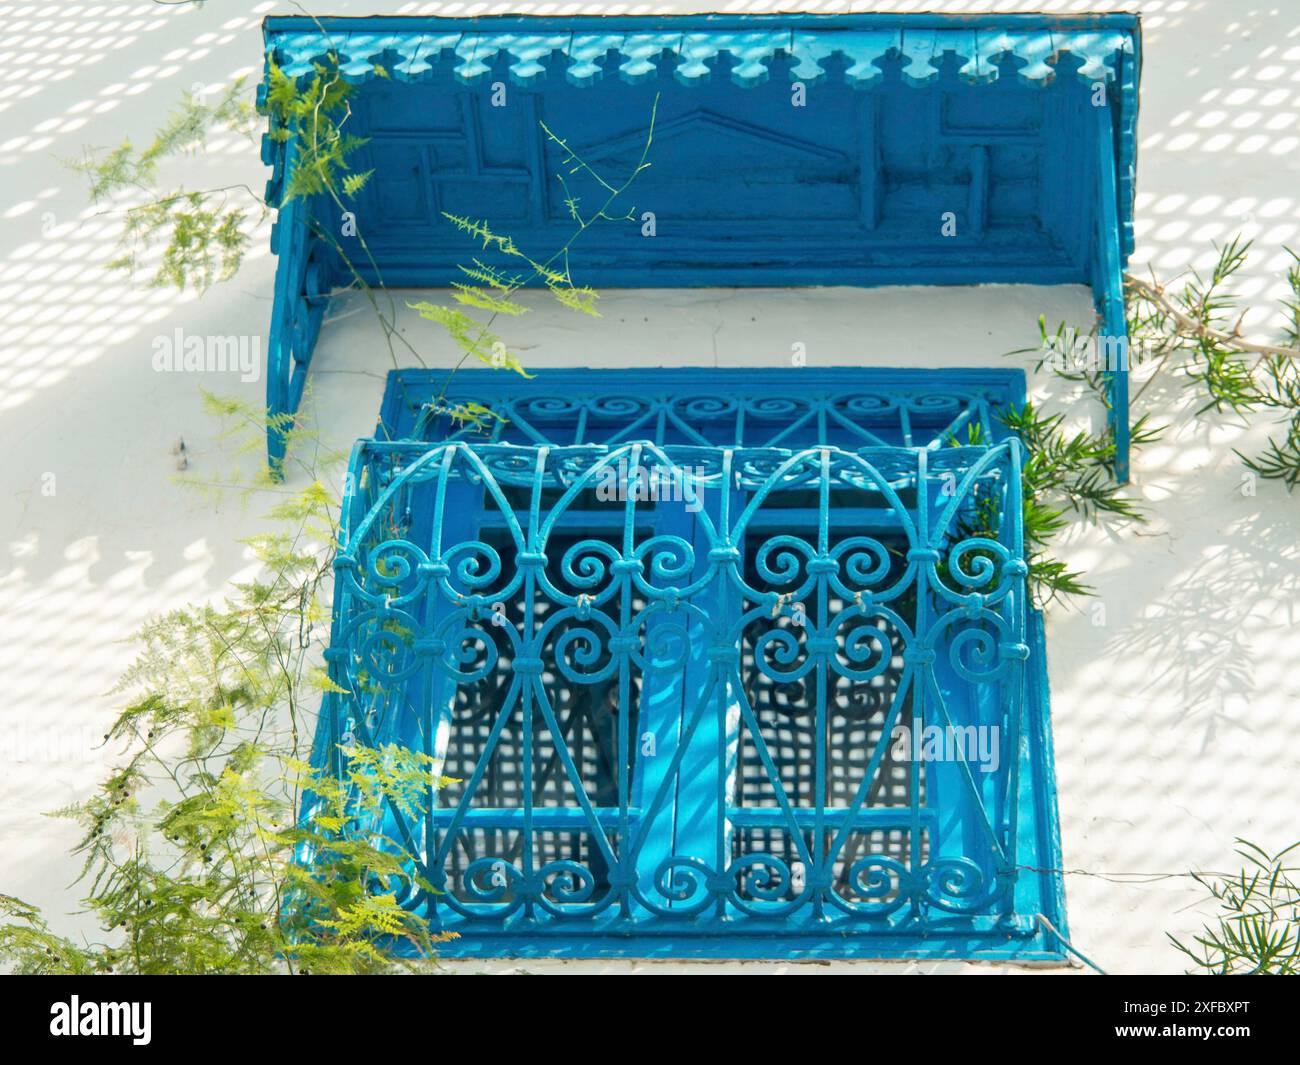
(693, 52)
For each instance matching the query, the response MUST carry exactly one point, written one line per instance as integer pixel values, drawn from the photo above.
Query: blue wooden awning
(1021, 128)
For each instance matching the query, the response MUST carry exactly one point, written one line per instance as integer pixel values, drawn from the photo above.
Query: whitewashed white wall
(1177, 720)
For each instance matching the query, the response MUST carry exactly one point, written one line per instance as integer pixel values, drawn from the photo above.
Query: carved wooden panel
(777, 183)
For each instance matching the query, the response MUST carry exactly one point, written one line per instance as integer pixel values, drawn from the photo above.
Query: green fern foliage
(202, 235)
(215, 845)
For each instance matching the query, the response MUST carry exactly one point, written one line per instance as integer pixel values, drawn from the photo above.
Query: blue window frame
(670, 675)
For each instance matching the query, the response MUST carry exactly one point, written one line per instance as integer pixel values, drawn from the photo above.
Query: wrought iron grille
(675, 683)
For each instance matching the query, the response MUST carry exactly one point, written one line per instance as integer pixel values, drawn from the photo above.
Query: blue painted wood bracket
(1108, 289)
(910, 121)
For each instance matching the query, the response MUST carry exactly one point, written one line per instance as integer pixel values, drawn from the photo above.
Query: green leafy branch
(1067, 474)
(206, 237)
(309, 116)
(186, 130)
(1197, 329)
(1257, 928)
(199, 852)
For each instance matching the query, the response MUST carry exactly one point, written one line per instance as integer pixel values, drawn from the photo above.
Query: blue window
(724, 666)
(728, 664)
